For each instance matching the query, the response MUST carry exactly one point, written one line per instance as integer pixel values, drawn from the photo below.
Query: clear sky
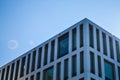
(25, 24)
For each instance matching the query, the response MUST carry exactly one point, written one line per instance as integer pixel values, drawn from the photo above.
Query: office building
(84, 51)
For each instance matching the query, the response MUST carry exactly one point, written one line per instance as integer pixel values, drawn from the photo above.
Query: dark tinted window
(98, 39)
(99, 67)
(3, 74)
(28, 64)
(38, 76)
(39, 58)
(66, 69)
(22, 70)
(48, 74)
(32, 77)
(7, 73)
(74, 39)
(111, 47)
(81, 62)
(104, 43)
(74, 65)
(52, 51)
(33, 61)
(63, 45)
(91, 36)
(81, 35)
(17, 70)
(58, 77)
(46, 54)
(92, 63)
(12, 71)
(117, 51)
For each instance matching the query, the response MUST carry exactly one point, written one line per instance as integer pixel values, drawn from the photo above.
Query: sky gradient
(24, 24)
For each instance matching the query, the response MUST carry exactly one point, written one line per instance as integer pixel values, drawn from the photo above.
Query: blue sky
(25, 24)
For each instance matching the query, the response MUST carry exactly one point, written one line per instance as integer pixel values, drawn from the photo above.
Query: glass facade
(7, 73)
(117, 51)
(17, 70)
(63, 45)
(109, 70)
(3, 73)
(38, 76)
(58, 77)
(48, 74)
(12, 71)
(99, 66)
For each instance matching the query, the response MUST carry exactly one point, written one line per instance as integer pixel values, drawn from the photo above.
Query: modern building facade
(84, 51)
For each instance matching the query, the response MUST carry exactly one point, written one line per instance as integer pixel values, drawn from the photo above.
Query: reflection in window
(104, 43)
(48, 74)
(45, 54)
(74, 65)
(66, 69)
(117, 51)
(7, 73)
(92, 63)
(81, 62)
(74, 39)
(12, 71)
(58, 77)
(52, 51)
(81, 36)
(39, 58)
(28, 64)
(99, 66)
(63, 45)
(91, 36)
(111, 47)
(109, 71)
(17, 70)
(98, 39)
(22, 70)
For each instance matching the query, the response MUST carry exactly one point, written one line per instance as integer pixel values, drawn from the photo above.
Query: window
(45, 54)
(66, 69)
(28, 64)
(98, 39)
(26, 79)
(58, 77)
(32, 77)
(3, 73)
(81, 79)
(74, 65)
(63, 45)
(39, 58)
(92, 79)
(12, 71)
(104, 43)
(38, 76)
(91, 36)
(7, 72)
(99, 66)
(48, 74)
(33, 61)
(117, 51)
(22, 67)
(92, 63)
(81, 62)
(74, 39)
(111, 47)
(119, 72)
(81, 36)
(52, 51)
(17, 70)
(109, 70)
